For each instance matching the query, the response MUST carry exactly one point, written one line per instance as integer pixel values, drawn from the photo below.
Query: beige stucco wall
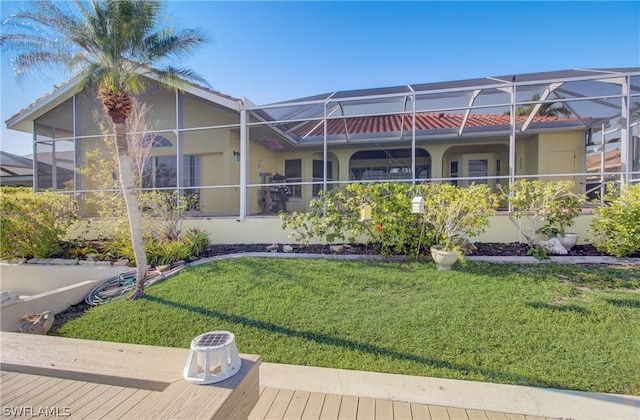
(268, 229)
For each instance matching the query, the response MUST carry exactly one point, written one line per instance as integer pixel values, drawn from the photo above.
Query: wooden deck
(298, 405)
(49, 377)
(25, 395)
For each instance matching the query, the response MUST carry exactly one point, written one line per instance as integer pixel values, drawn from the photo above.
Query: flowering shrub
(393, 229)
(335, 216)
(616, 228)
(548, 207)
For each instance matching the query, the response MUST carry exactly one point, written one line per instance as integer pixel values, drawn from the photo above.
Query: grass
(572, 327)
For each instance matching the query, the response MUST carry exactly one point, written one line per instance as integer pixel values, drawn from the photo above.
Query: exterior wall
(562, 152)
(268, 229)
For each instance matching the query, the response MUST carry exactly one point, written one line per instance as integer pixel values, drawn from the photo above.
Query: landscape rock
(338, 249)
(553, 246)
(273, 248)
(121, 263)
(287, 248)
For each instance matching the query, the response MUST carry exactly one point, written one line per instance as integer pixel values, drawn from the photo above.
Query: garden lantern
(417, 205)
(365, 212)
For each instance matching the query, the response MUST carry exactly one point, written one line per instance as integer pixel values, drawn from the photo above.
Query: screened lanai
(488, 130)
(237, 159)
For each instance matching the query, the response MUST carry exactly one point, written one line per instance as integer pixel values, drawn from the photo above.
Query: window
(318, 169)
(161, 172)
(377, 173)
(453, 171)
(293, 174)
(479, 168)
(191, 178)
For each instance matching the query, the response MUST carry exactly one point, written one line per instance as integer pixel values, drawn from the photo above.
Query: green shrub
(616, 228)
(335, 216)
(197, 240)
(167, 252)
(453, 213)
(546, 206)
(34, 224)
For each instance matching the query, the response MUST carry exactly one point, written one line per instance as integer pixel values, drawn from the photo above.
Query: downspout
(243, 162)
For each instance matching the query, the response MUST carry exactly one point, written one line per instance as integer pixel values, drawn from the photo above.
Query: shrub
(547, 206)
(197, 240)
(33, 224)
(453, 213)
(167, 252)
(335, 216)
(616, 228)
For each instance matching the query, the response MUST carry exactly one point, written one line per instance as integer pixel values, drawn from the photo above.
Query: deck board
(297, 405)
(109, 405)
(264, 403)
(36, 387)
(280, 404)
(331, 407)
(348, 408)
(384, 410)
(314, 406)
(366, 409)
(120, 410)
(401, 410)
(97, 403)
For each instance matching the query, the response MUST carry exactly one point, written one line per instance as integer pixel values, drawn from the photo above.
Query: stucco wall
(268, 229)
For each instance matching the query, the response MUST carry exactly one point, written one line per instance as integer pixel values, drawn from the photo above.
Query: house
(17, 171)
(242, 161)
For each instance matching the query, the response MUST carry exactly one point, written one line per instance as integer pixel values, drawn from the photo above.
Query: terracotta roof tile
(424, 121)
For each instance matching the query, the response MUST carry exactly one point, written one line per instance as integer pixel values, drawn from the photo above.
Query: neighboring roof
(611, 161)
(14, 165)
(21, 120)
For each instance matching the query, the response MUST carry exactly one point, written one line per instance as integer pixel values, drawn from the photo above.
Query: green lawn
(572, 327)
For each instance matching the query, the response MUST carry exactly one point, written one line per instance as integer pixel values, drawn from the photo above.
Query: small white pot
(443, 259)
(568, 240)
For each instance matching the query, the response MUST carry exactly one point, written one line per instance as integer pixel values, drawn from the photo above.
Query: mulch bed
(482, 249)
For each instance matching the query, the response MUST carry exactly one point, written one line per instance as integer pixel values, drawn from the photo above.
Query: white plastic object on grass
(213, 358)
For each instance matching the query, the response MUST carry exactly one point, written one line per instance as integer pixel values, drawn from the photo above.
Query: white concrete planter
(568, 240)
(443, 259)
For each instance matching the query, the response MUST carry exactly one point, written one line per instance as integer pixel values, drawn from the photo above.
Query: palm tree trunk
(133, 211)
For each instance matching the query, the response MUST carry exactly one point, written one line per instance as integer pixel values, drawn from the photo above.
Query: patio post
(625, 134)
(243, 162)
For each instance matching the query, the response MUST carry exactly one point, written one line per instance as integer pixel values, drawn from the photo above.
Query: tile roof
(424, 121)
(611, 161)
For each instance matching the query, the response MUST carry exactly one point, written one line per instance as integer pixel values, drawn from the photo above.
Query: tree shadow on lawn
(500, 377)
(559, 307)
(623, 303)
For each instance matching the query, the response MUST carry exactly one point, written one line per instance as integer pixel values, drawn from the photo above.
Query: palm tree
(549, 109)
(118, 48)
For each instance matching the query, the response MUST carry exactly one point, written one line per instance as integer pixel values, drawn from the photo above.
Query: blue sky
(273, 51)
